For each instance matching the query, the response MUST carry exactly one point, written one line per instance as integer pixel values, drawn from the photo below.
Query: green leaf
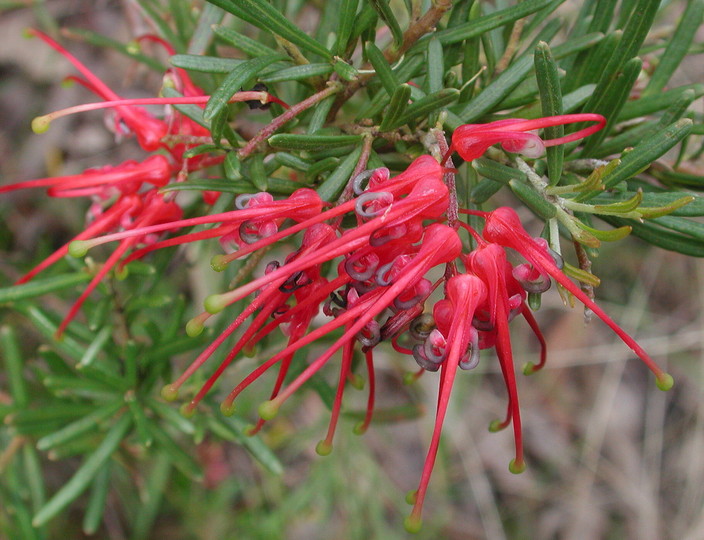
(332, 187)
(210, 16)
(551, 103)
(234, 81)
(263, 15)
(233, 429)
(296, 73)
(678, 44)
(97, 345)
(205, 64)
(39, 287)
(277, 186)
(14, 366)
(131, 50)
(347, 16)
(245, 44)
(88, 423)
(481, 25)
(397, 107)
(657, 102)
(634, 34)
(291, 141)
(155, 488)
(386, 14)
(383, 70)
(497, 90)
(498, 172)
(436, 66)
(613, 100)
(533, 200)
(95, 509)
(662, 237)
(85, 474)
(428, 104)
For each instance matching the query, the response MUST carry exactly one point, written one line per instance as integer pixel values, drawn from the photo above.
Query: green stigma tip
(28, 33)
(357, 382)
(122, 273)
(517, 468)
(40, 124)
(323, 448)
(194, 328)
(268, 409)
(496, 425)
(78, 248)
(169, 392)
(411, 497)
(214, 304)
(187, 410)
(68, 83)
(529, 368)
(228, 409)
(359, 429)
(413, 524)
(250, 430)
(409, 378)
(665, 381)
(218, 263)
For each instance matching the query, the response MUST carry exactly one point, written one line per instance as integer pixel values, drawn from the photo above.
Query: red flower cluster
(382, 279)
(380, 287)
(126, 197)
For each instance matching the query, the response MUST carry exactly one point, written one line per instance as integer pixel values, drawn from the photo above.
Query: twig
(291, 113)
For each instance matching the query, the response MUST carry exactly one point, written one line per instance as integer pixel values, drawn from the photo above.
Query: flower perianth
(465, 292)
(470, 141)
(127, 177)
(440, 244)
(104, 222)
(504, 227)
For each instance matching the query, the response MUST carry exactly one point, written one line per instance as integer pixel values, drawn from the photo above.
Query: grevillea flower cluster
(391, 264)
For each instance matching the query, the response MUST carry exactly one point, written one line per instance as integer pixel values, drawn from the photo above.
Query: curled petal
(370, 335)
(532, 280)
(422, 360)
(387, 234)
(358, 181)
(470, 359)
(373, 204)
(434, 346)
(421, 326)
(361, 266)
(421, 289)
